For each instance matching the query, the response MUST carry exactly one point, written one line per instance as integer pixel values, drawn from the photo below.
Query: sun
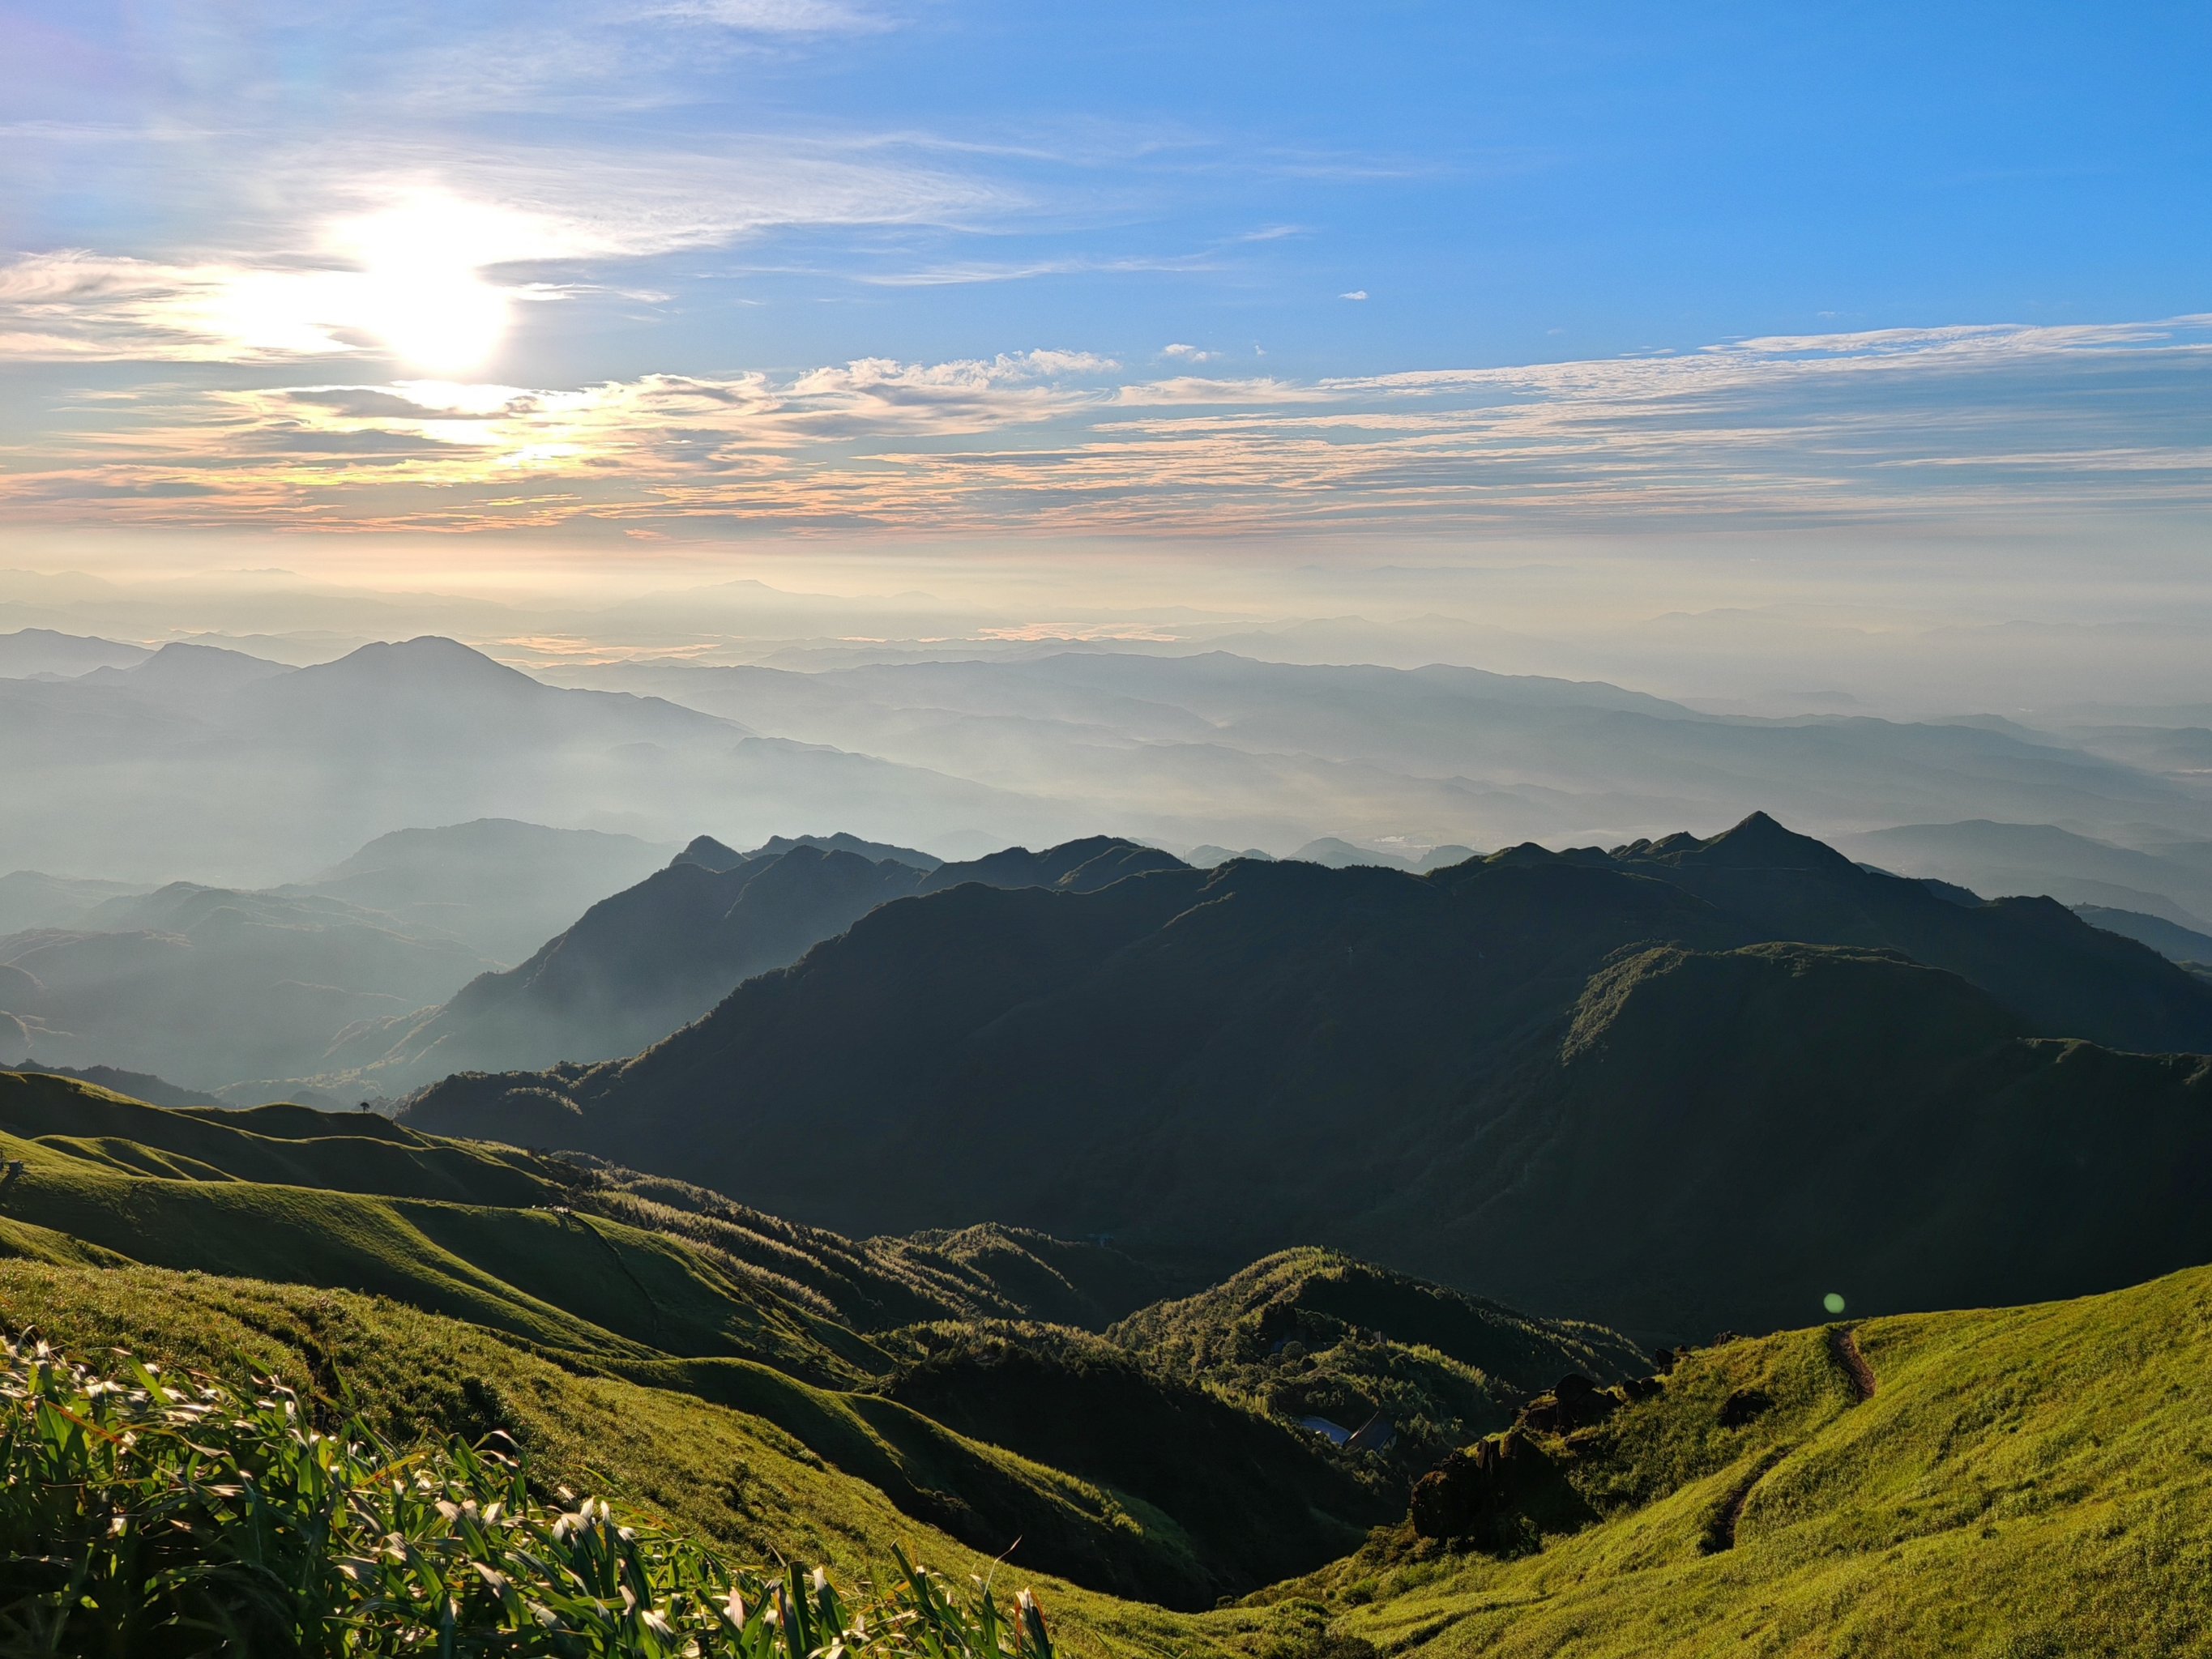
(420, 288)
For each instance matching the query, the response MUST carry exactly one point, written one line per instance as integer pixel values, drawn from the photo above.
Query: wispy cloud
(321, 280)
(771, 16)
(1868, 428)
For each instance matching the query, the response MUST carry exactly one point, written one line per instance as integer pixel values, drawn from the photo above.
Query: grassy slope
(732, 1476)
(564, 1281)
(1255, 1496)
(2031, 1481)
(2027, 1482)
(1445, 1367)
(289, 1146)
(582, 1290)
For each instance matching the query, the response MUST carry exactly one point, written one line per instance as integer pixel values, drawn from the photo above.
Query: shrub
(151, 1515)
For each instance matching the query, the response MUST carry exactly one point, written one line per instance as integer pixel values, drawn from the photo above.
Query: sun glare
(421, 290)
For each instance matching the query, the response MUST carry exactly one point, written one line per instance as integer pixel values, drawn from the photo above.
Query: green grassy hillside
(2031, 1480)
(1254, 1495)
(2022, 1481)
(291, 1146)
(543, 1274)
(1313, 1333)
(708, 1302)
(2025, 1482)
(729, 1476)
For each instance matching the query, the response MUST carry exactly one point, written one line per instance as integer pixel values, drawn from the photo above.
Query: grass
(732, 1480)
(153, 1514)
(2025, 1482)
(671, 1304)
(1315, 1333)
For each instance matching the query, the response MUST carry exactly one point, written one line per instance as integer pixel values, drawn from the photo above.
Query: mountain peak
(710, 854)
(1760, 842)
(183, 665)
(428, 658)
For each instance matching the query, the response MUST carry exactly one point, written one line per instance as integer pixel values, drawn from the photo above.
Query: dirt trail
(1844, 1348)
(1720, 1531)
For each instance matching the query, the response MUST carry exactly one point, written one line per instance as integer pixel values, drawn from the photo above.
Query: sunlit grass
(148, 1514)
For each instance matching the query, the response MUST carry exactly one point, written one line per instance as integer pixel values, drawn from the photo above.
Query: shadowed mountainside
(1217, 1064)
(656, 955)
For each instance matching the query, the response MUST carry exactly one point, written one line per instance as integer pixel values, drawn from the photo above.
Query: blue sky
(699, 268)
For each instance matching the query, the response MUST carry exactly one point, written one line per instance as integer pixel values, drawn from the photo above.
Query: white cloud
(75, 304)
(1978, 423)
(393, 249)
(1356, 293)
(1189, 354)
(772, 16)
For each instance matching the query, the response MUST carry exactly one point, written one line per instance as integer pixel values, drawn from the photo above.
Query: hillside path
(1844, 1348)
(1720, 1531)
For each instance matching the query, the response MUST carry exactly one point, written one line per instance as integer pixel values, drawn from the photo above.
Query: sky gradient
(704, 272)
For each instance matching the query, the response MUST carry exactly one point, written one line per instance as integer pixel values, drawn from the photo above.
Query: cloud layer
(1984, 424)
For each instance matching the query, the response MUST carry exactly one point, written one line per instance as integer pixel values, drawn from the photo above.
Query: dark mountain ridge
(1210, 1065)
(656, 955)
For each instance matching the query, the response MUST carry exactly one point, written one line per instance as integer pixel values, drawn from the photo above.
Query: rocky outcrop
(1484, 1488)
(1745, 1404)
(1575, 1402)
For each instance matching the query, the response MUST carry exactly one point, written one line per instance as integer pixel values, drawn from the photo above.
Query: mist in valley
(267, 856)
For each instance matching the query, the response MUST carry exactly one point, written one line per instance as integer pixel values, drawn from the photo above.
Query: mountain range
(1682, 1084)
(230, 989)
(1222, 750)
(213, 986)
(262, 768)
(656, 957)
(2173, 882)
(268, 771)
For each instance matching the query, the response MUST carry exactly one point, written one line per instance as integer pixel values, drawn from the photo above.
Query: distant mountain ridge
(1222, 1063)
(502, 885)
(1217, 750)
(2040, 857)
(263, 768)
(213, 986)
(2169, 939)
(31, 652)
(707, 851)
(639, 965)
